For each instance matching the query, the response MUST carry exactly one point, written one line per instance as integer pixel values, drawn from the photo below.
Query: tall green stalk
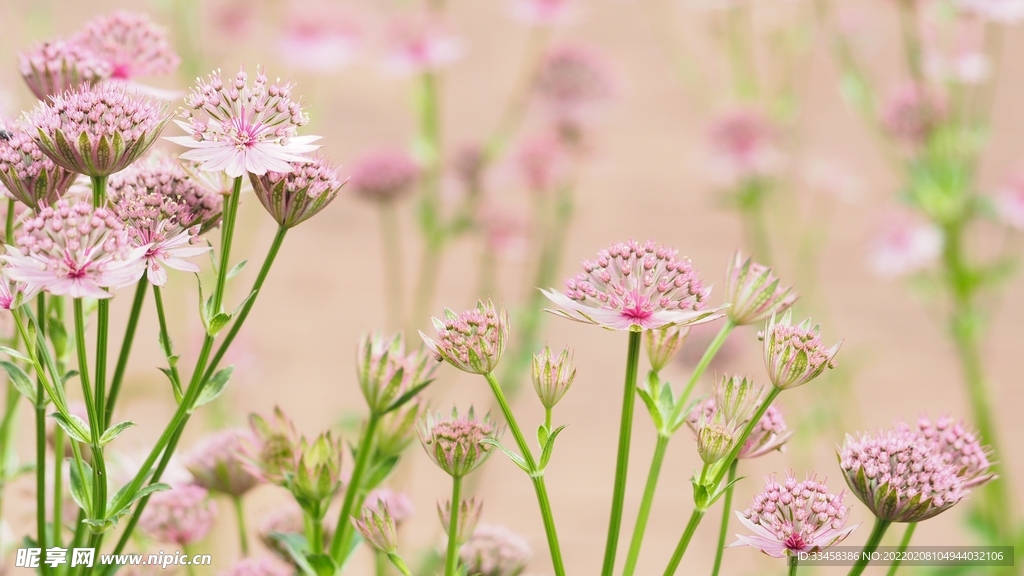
(907, 535)
(243, 538)
(723, 530)
(677, 555)
(870, 546)
(451, 558)
(40, 410)
(645, 505)
(126, 348)
(394, 284)
(343, 530)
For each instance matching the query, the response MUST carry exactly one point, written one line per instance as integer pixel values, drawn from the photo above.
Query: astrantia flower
(74, 250)
(385, 371)
(14, 294)
(399, 504)
(793, 517)
(901, 476)
(418, 45)
(378, 528)
(912, 113)
(318, 38)
(552, 375)
(193, 204)
(244, 128)
(182, 515)
(573, 81)
(217, 463)
(743, 145)
(297, 194)
(495, 551)
(455, 443)
(960, 444)
(469, 512)
(55, 67)
(131, 43)
(30, 176)
(904, 244)
(753, 292)
(769, 435)
(217, 182)
(384, 175)
(472, 341)
(98, 131)
(794, 355)
(634, 286)
(257, 567)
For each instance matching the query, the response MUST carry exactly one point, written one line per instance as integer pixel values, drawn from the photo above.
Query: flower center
(795, 542)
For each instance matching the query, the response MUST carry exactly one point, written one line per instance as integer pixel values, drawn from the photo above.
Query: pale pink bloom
(245, 128)
(543, 162)
(98, 131)
(131, 43)
(28, 175)
(794, 355)
(472, 341)
(54, 67)
(420, 45)
(455, 443)
(258, 567)
(192, 204)
(912, 113)
(744, 145)
(543, 12)
(634, 286)
(384, 175)
(998, 11)
(793, 517)
(182, 515)
(74, 250)
(769, 435)
(904, 244)
(573, 82)
(495, 551)
(959, 443)
(299, 193)
(1009, 201)
(754, 292)
(13, 294)
(398, 503)
(318, 38)
(216, 462)
(217, 182)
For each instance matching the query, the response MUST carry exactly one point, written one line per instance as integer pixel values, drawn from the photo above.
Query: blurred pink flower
(28, 175)
(318, 38)
(912, 113)
(131, 43)
(384, 175)
(182, 515)
(998, 11)
(904, 244)
(216, 462)
(965, 67)
(744, 145)
(1009, 200)
(419, 45)
(398, 503)
(543, 12)
(573, 81)
(495, 551)
(54, 67)
(74, 250)
(248, 129)
(543, 162)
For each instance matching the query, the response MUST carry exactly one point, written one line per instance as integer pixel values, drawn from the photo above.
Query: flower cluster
(385, 371)
(217, 463)
(384, 175)
(297, 193)
(753, 292)
(794, 355)
(735, 401)
(455, 443)
(55, 67)
(130, 43)
(469, 512)
(472, 341)
(28, 174)
(182, 515)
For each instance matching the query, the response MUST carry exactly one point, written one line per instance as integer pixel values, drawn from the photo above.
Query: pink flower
(217, 462)
(769, 435)
(384, 175)
(248, 129)
(55, 67)
(495, 551)
(13, 294)
(181, 516)
(633, 286)
(131, 43)
(912, 113)
(74, 250)
(542, 12)
(299, 193)
(257, 567)
(1009, 202)
(98, 131)
(794, 355)
(455, 443)
(744, 145)
(420, 45)
(998, 11)
(472, 341)
(793, 517)
(30, 176)
(904, 244)
(960, 445)
(572, 82)
(319, 39)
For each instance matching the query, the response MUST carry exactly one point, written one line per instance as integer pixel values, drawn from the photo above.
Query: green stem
(793, 563)
(316, 531)
(9, 228)
(723, 531)
(58, 484)
(40, 409)
(380, 563)
(430, 216)
(243, 538)
(343, 530)
(907, 535)
(645, 506)
(10, 409)
(391, 242)
(702, 366)
(99, 191)
(726, 463)
(397, 562)
(684, 541)
(451, 558)
(536, 475)
(165, 341)
(870, 546)
(99, 472)
(126, 348)
(622, 460)
(227, 235)
(102, 330)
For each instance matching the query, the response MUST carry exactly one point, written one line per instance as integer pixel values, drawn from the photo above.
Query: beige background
(644, 181)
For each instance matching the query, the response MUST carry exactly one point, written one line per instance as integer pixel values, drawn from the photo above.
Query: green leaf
(515, 458)
(114, 431)
(175, 385)
(58, 336)
(404, 398)
(379, 472)
(214, 387)
(118, 508)
(68, 376)
(21, 381)
(243, 303)
(81, 486)
(549, 446)
(216, 323)
(296, 546)
(74, 426)
(14, 353)
(322, 564)
(236, 269)
(542, 435)
(652, 407)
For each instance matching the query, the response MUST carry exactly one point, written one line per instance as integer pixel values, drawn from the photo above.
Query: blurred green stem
(451, 558)
(344, 528)
(723, 530)
(907, 535)
(243, 537)
(645, 505)
(430, 210)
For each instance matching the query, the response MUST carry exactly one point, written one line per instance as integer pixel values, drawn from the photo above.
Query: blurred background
(645, 169)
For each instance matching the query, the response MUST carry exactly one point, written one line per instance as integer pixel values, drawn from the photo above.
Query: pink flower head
(12, 293)
(54, 67)
(912, 114)
(455, 443)
(744, 145)
(297, 194)
(634, 286)
(258, 567)
(495, 551)
(904, 245)
(1009, 201)
(960, 444)
(769, 435)
(793, 517)
(385, 372)
(794, 355)
(420, 45)
(166, 184)
(543, 12)
(131, 43)
(217, 462)
(900, 475)
(245, 128)
(398, 503)
(997, 11)
(472, 341)
(754, 292)
(30, 176)
(318, 38)
(98, 131)
(573, 80)
(384, 175)
(182, 515)
(74, 250)
(543, 162)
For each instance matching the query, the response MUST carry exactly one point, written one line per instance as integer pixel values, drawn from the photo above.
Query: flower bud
(663, 344)
(378, 528)
(472, 341)
(715, 438)
(385, 372)
(552, 377)
(469, 514)
(794, 355)
(753, 292)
